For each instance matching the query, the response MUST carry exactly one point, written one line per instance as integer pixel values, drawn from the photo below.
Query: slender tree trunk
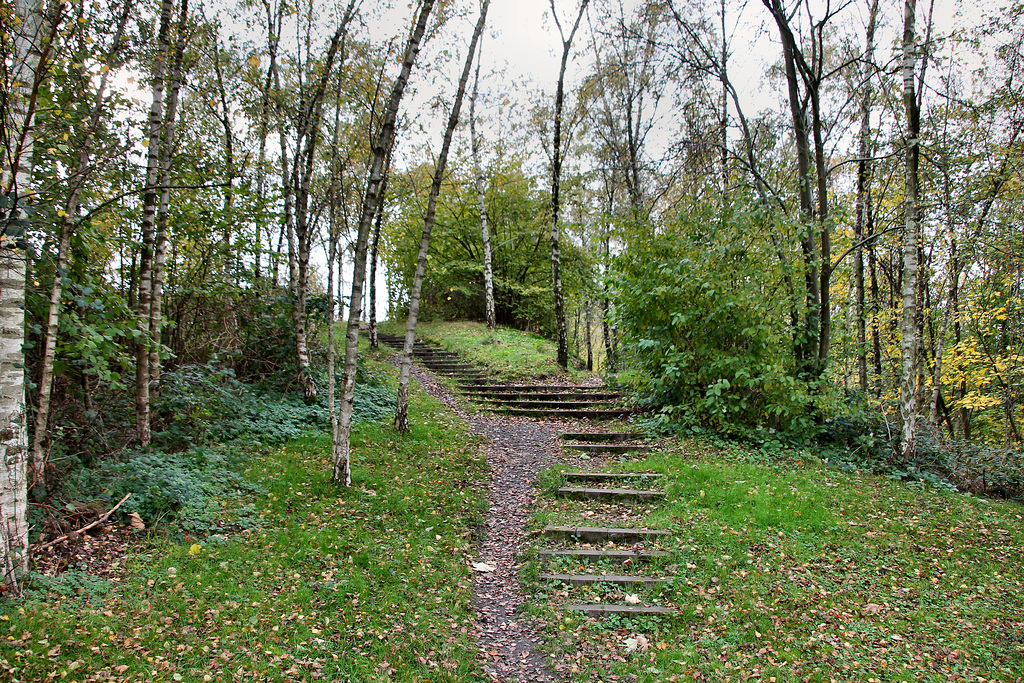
(481, 201)
(28, 64)
(381, 146)
(556, 180)
(908, 388)
(164, 207)
(606, 309)
(79, 176)
(373, 252)
(864, 170)
(144, 302)
(590, 344)
(402, 405)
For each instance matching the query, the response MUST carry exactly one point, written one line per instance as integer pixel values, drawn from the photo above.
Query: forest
(772, 221)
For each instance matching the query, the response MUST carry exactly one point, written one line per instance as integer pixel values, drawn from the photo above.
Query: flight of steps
(634, 554)
(437, 360)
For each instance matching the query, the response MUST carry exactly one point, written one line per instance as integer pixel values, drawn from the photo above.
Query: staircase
(629, 558)
(577, 556)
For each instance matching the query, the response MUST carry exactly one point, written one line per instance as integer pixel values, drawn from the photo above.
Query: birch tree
(144, 298)
(77, 179)
(402, 407)
(381, 145)
(481, 199)
(556, 180)
(27, 40)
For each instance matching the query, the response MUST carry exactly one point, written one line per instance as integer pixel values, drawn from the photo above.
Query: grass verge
(508, 354)
(358, 584)
(787, 570)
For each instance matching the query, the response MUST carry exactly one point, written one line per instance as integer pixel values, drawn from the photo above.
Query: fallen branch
(103, 518)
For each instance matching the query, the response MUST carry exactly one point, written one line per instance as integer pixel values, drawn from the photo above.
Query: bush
(705, 338)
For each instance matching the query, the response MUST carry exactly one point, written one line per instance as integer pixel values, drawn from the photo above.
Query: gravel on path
(516, 450)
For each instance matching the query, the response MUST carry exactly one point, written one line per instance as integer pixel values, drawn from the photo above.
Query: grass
(788, 570)
(366, 583)
(507, 354)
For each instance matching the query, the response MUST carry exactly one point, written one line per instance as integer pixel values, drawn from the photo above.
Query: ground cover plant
(787, 569)
(366, 583)
(507, 354)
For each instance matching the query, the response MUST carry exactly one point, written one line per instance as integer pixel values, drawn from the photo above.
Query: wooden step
(601, 414)
(599, 555)
(611, 476)
(551, 396)
(601, 436)
(608, 447)
(601, 609)
(591, 579)
(537, 387)
(611, 494)
(597, 534)
(551, 405)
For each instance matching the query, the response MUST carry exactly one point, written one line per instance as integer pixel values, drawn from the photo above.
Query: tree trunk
(374, 343)
(402, 405)
(303, 167)
(381, 147)
(144, 302)
(590, 344)
(606, 309)
(864, 169)
(481, 201)
(27, 66)
(164, 207)
(556, 180)
(908, 388)
(81, 172)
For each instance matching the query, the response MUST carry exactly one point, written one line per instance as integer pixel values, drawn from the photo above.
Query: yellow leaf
(254, 61)
(195, 549)
(61, 213)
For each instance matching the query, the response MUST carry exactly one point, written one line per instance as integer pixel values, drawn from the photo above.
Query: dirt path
(516, 450)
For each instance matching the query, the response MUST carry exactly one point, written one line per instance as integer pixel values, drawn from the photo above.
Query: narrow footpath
(517, 449)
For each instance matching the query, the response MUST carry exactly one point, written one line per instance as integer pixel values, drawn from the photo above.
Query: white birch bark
(164, 206)
(402, 406)
(144, 301)
(26, 65)
(341, 450)
(909, 346)
(481, 200)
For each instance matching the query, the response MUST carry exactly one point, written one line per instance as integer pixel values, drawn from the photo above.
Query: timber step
(596, 609)
(529, 388)
(610, 494)
(583, 555)
(591, 579)
(525, 395)
(608, 447)
(553, 405)
(611, 476)
(606, 414)
(601, 436)
(597, 534)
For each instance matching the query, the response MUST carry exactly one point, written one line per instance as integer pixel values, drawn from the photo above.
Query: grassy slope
(788, 570)
(360, 584)
(508, 354)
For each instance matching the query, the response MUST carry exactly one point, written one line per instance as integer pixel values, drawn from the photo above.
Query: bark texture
(402, 406)
(381, 147)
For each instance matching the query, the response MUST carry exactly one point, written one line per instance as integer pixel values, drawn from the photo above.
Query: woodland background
(831, 266)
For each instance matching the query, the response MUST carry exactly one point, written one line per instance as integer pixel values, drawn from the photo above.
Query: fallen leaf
(137, 522)
(483, 567)
(632, 599)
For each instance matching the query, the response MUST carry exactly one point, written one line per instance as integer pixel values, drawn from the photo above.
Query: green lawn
(368, 583)
(787, 570)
